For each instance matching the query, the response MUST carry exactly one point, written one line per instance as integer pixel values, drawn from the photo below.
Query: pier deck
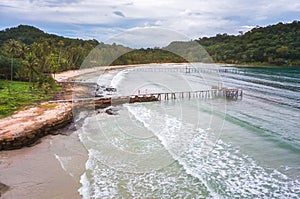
(187, 70)
(228, 93)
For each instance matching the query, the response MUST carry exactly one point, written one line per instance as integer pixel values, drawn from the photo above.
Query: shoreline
(25, 127)
(39, 172)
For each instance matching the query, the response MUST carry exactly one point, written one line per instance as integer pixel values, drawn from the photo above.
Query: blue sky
(104, 19)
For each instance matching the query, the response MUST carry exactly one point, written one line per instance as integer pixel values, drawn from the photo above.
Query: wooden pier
(201, 94)
(101, 102)
(187, 70)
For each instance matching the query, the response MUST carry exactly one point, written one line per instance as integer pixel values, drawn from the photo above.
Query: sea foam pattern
(100, 181)
(226, 171)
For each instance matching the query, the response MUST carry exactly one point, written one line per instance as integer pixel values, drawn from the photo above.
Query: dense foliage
(190, 51)
(276, 44)
(28, 53)
(149, 55)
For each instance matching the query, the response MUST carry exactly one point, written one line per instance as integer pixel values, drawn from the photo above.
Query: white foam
(104, 182)
(174, 135)
(117, 79)
(84, 190)
(225, 171)
(235, 174)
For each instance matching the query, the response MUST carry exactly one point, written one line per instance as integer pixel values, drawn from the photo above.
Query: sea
(194, 147)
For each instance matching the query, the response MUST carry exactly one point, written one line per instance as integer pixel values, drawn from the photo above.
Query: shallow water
(214, 148)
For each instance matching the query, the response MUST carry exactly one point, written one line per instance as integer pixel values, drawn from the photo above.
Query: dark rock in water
(111, 89)
(3, 188)
(112, 111)
(99, 94)
(100, 86)
(103, 90)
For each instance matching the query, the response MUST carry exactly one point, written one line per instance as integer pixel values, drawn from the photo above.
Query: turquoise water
(214, 148)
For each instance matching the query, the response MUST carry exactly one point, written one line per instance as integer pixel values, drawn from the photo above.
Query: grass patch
(48, 106)
(20, 96)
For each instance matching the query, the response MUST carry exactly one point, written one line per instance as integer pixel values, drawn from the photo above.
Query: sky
(151, 22)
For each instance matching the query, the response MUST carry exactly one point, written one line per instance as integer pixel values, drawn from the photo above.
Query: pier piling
(228, 93)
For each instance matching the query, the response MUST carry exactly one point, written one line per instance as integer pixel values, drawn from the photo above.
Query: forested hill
(275, 44)
(30, 34)
(28, 53)
(34, 52)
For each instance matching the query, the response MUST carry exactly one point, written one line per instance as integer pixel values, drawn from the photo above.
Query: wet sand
(35, 172)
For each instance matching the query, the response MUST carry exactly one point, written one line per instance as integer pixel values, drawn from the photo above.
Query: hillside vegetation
(34, 53)
(275, 44)
(28, 56)
(272, 45)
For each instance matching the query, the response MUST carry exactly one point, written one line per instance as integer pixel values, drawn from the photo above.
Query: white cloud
(194, 18)
(147, 37)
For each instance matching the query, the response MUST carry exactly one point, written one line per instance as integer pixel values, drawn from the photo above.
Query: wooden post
(174, 97)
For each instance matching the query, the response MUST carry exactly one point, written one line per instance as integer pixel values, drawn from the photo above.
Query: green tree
(31, 64)
(12, 48)
(283, 51)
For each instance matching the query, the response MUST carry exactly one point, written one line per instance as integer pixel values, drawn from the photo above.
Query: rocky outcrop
(26, 127)
(3, 188)
(112, 111)
(151, 98)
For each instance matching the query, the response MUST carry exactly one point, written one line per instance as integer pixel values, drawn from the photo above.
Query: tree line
(29, 54)
(149, 55)
(274, 45)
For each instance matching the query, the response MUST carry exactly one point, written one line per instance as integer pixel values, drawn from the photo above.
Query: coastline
(25, 127)
(38, 172)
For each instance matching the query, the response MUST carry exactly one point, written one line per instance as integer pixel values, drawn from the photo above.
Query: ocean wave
(117, 79)
(224, 170)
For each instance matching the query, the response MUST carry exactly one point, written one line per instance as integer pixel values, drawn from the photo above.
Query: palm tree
(12, 48)
(23, 51)
(31, 63)
(60, 44)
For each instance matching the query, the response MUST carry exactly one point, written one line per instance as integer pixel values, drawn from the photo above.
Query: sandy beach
(36, 172)
(64, 76)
